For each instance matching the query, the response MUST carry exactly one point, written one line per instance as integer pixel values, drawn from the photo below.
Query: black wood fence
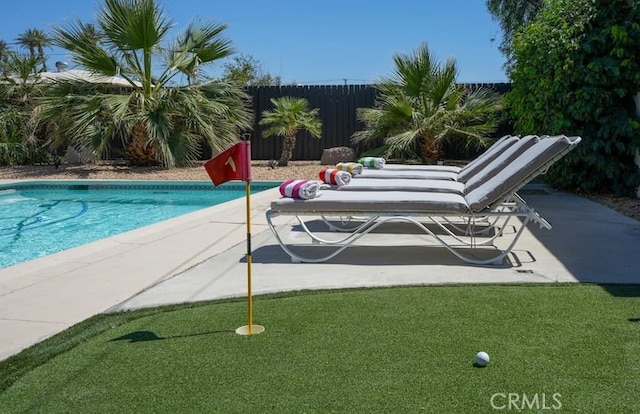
(337, 105)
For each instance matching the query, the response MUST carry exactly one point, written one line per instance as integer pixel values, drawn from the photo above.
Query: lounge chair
(505, 151)
(479, 162)
(495, 197)
(436, 172)
(465, 181)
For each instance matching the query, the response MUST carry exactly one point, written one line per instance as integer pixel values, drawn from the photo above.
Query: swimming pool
(39, 218)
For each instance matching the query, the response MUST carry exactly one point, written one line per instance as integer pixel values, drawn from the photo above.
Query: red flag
(231, 164)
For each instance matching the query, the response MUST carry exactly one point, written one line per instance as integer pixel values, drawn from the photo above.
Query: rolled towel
(304, 189)
(352, 168)
(373, 162)
(333, 176)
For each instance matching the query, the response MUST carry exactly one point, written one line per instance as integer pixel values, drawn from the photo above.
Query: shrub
(576, 73)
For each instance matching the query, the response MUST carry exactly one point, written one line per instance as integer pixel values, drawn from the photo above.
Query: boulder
(332, 156)
(79, 156)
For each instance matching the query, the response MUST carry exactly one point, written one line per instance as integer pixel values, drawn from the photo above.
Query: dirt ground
(260, 171)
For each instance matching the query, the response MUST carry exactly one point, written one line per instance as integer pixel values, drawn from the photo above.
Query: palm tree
(159, 122)
(19, 89)
(91, 32)
(4, 51)
(289, 116)
(421, 106)
(19, 86)
(35, 39)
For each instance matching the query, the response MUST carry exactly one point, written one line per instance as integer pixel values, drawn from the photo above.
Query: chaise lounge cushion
(515, 175)
(375, 202)
(478, 164)
(391, 184)
(501, 160)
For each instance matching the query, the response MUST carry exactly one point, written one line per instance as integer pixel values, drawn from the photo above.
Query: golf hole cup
(482, 359)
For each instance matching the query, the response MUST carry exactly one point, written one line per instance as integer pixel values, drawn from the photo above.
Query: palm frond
(133, 25)
(421, 105)
(172, 121)
(81, 43)
(197, 47)
(402, 145)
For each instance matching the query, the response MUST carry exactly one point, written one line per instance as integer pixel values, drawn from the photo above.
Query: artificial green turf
(409, 349)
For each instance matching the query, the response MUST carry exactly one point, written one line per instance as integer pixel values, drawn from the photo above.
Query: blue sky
(313, 42)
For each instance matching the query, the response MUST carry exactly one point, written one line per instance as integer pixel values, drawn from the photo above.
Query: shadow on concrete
(387, 256)
(595, 244)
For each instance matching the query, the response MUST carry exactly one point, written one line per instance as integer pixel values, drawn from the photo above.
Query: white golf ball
(482, 359)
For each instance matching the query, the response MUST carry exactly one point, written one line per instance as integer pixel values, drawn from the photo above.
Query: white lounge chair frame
(450, 240)
(479, 226)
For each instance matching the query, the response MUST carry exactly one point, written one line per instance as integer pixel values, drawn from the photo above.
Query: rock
(332, 156)
(77, 157)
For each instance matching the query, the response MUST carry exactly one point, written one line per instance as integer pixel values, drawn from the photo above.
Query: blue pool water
(41, 218)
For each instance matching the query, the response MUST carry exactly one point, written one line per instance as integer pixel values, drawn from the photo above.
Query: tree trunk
(431, 151)
(139, 152)
(287, 150)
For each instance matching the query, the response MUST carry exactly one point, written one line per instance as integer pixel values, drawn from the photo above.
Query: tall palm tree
(4, 49)
(91, 32)
(421, 106)
(289, 116)
(4, 52)
(158, 121)
(35, 39)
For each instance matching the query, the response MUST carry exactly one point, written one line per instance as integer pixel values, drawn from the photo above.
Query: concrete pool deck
(201, 256)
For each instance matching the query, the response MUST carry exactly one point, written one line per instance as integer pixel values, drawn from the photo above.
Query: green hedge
(575, 73)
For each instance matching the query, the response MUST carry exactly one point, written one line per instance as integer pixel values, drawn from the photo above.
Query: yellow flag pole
(250, 328)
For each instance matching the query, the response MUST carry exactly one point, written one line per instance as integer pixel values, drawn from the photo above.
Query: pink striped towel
(304, 189)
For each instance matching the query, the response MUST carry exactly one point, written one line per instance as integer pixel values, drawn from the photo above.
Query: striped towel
(352, 168)
(304, 189)
(334, 176)
(373, 162)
